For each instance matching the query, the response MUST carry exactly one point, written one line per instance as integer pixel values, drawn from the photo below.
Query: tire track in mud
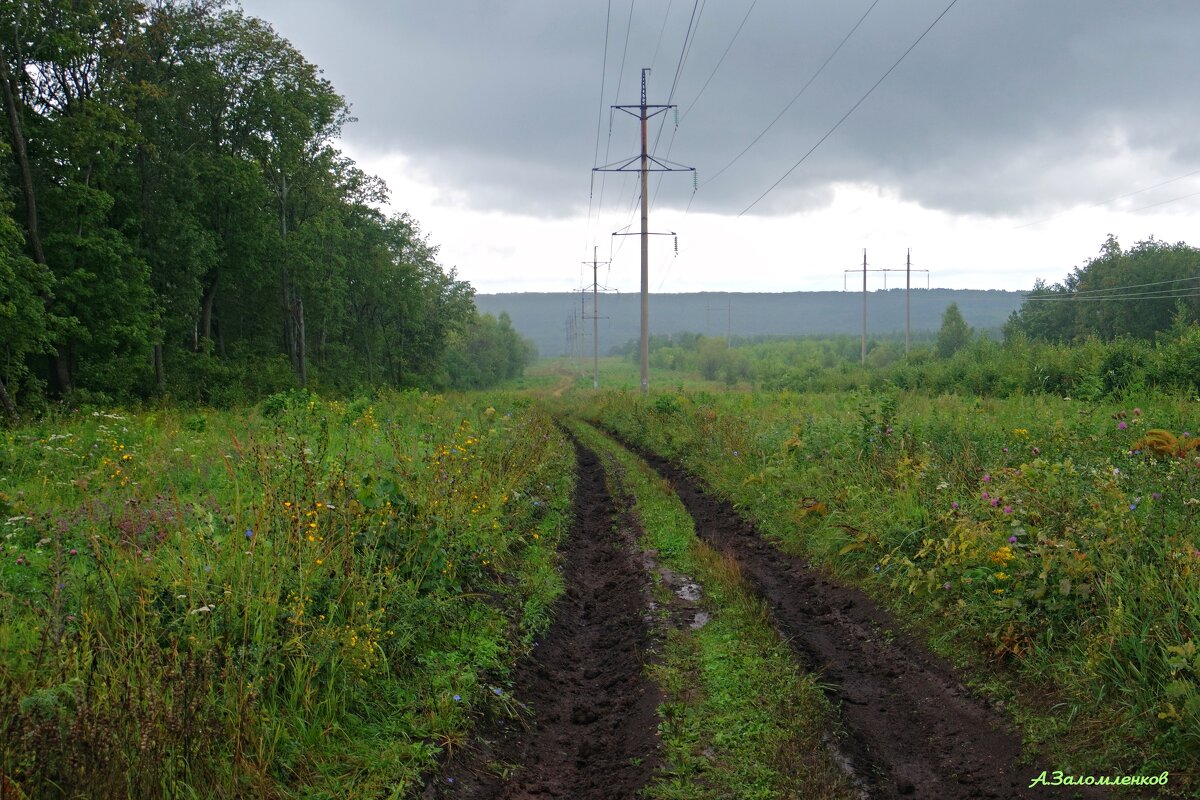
(592, 730)
(913, 730)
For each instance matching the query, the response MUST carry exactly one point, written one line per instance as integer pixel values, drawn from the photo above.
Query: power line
(1121, 197)
(1162, 202)
(853, 108)
(720, 61)
(616, 97)
(599, 113)
(792, 102)
(1165, 295)
(1135, 285)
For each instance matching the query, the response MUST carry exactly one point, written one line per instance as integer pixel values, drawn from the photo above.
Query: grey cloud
(1007, 107)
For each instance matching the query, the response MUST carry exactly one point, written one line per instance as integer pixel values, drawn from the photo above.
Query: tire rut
(913, 730)
(591, 733)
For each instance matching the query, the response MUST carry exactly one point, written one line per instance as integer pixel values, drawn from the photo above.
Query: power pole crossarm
(646, 164)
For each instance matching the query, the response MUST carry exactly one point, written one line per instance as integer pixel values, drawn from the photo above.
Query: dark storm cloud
(1007, 106)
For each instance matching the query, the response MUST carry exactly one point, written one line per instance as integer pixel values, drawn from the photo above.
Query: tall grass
(312, 600)
(1041, 537)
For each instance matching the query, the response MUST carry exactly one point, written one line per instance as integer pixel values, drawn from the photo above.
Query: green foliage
(197, 221)
(488, 352)
(1135, 293)
(311, 603)
(954, 333)
(1049, 539)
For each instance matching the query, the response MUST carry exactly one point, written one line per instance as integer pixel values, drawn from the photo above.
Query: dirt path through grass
(913, 730)
(592, 731)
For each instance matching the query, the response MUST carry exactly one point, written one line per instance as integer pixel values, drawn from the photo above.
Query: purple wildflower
(1012, 539)
(1121, 425)
(1008, 509)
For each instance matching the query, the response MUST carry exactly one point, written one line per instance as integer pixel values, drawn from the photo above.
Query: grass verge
(740, 720)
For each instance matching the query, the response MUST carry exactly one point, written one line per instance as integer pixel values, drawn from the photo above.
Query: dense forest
(177, 221)
(1136, 293)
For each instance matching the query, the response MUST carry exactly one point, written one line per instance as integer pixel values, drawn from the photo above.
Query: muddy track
(591, 731)
(912, 729)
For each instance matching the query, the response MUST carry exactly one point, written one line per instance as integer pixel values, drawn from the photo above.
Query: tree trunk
(160, 376)
(206, 311)
(302, 366)
(12, 106)
(7, 402)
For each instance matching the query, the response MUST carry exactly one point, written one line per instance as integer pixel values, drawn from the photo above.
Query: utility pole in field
(864, 334)
(595, 317)
(908, 270)
(646, 164)
(907, 298)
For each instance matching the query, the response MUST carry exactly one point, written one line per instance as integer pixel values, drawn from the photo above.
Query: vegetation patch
(314, 600)
(740, 720)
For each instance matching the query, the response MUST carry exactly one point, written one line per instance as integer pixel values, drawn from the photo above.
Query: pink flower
(1008, 509)
(1121, 425)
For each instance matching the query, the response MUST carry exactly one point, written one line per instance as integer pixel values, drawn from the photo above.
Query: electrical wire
(1120, 197)
(853, 108)
(720, 61)
(1166, 295)
(792, 102)
(1136, 285)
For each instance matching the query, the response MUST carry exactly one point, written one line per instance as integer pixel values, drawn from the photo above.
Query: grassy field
(320, 599)
(312, 599)
(1050, 545)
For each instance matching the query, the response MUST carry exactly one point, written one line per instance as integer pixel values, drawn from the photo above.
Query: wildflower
(1037, 451)
(1004, 449)
(995, 502)
(1133, 506)
(1001, 576)
(1008, 509)
(1116, 471)
(946, 585)
(458, 698)
(497, 691)
(249, 533)
(1121, 425)
(986, 495)
(1156, 496)
(954, 505)
(1137, 412)
(73, 551)
(1012, 539)
(987, 478)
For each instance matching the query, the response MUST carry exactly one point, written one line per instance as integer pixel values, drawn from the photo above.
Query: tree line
(177, 221)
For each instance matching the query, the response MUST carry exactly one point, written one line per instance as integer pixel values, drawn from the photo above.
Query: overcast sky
(1008, 143)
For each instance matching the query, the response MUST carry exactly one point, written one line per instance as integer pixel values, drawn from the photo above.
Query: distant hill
(542, 316)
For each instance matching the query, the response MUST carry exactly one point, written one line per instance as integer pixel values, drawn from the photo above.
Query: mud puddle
(912, 729)
(591, 730)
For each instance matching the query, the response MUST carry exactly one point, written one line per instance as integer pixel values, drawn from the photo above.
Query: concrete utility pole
(864, 335)
(646, 164)
(907, 298)
(908, 270)
(595, 317)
